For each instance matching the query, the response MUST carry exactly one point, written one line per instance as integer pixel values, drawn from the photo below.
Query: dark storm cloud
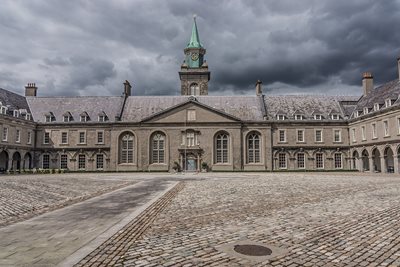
(90, 47)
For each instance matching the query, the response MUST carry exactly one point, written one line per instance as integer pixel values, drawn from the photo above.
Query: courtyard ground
(308, 219)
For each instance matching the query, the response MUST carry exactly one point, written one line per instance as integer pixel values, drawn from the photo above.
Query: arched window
(253, 148)
(221, 148)
(158, 148)
(194, 89)
(126, 148)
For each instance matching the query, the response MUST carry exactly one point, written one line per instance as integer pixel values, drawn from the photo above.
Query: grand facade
(194, 130)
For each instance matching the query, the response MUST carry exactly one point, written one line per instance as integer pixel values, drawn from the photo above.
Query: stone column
(383, 165)
(371, 164)
(10, 164)
(396, 164)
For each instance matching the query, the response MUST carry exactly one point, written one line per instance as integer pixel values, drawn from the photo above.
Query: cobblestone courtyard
(317, 219)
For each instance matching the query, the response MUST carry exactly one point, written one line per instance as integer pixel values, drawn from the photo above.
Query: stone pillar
(371, 164)
(396, 164)
(10, 164)
(383, 165)
(359, 164)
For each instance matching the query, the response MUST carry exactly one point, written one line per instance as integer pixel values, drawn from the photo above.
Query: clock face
(195, 56)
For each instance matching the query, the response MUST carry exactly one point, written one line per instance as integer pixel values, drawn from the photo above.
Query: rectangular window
(18, 136)
(376, 107)
(100, 137)
(82, 162)
(29, 137)
(82, 137)
(337, 135)
(46, 138)
(190, 139)
(398, 125)
(300, 135)
(64, 138)
(16, 113)
(46, 161)
(318, 135)
(317, 117)
(66, 118)
(373, 125)
(386, 128)
(300, 161)
(280, 117)
(365, 110)
(84, 118)
(363, 136)
(64, 161)
(356, 114)
(282, 160)
(338, 160)
(298, 117)
(4, 110)
(191, 115)
(99, 161)
(282, 136)
(102, 118)
(388, 103)
(335, 116)
(48, 119)
(353, 135)
(319, 160)
(5, 134)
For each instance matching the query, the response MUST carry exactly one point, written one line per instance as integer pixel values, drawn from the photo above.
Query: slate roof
(308, 105)
(390, 90)
(13, 101)
(93, 105)
(246, 108)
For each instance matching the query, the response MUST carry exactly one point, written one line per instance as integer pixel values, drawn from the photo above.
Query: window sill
(300, 142)
(374, 138)
(64, 144)
(386, 136)
(280, 142)
(81, 144)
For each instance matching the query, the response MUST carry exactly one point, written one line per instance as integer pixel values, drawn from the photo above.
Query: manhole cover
(252, 250)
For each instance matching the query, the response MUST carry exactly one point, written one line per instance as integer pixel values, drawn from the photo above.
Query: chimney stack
(367, 83)
(30, 89)
(259, 87)
(398, 66)
(127, 88)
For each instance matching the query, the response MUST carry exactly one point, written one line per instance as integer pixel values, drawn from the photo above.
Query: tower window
(194, 89)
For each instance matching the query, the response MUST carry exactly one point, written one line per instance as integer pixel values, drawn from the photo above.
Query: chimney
(30, 89)
(398, 66)
(127, 88)
(259, 87)
(367, 83)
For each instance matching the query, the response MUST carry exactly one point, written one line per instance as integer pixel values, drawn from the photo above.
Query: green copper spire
(194, 39)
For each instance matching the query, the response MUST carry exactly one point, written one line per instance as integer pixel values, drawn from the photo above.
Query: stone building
(226, 133)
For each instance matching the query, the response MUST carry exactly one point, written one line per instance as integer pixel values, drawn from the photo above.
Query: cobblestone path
(320, 219)
(22, 197)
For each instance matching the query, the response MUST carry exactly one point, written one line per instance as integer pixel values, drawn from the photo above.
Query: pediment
(198, 112)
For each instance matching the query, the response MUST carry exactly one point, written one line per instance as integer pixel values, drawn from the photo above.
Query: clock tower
(194, 74)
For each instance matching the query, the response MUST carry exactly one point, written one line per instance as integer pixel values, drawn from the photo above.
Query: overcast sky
(81, 47)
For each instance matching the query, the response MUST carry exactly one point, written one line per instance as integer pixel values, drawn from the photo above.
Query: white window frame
(66, 118)
(318, 117)
(340, 135)
(4, 110)
(363, 135)
(80, 162)
(17, 136)
(280, 117)
(46, 138)
(298, 117)
(356, 114)
(365, 110)
(84, 137)
(279, 135)
(98, 167)
(338, 161)
(5, 134)
(353, 135)
(386, 130)
(301, 164)
(66, 141)
(282, 161)
(317, 166)
(15, 113)
(84, 118)
(376, 106)
(335, 117)
(47, 118)
(388, 102)
(315, 136)
(28, 116)
(302, 135)
(373, 128)
(102, 137)
(101, 118)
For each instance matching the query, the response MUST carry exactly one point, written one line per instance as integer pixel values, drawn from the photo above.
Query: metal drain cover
(252, 250)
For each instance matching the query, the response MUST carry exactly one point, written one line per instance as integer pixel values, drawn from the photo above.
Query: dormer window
(388, 102)
(28, 116)
(16, 113)
(318, 117)
(66, 118)
(365, 111)
(49, 117)
(280, 117)
(102, 117)
(298, 117)
(335, 116)
(376, 107)
(84, 117)
(3, 110)
(356, 114)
